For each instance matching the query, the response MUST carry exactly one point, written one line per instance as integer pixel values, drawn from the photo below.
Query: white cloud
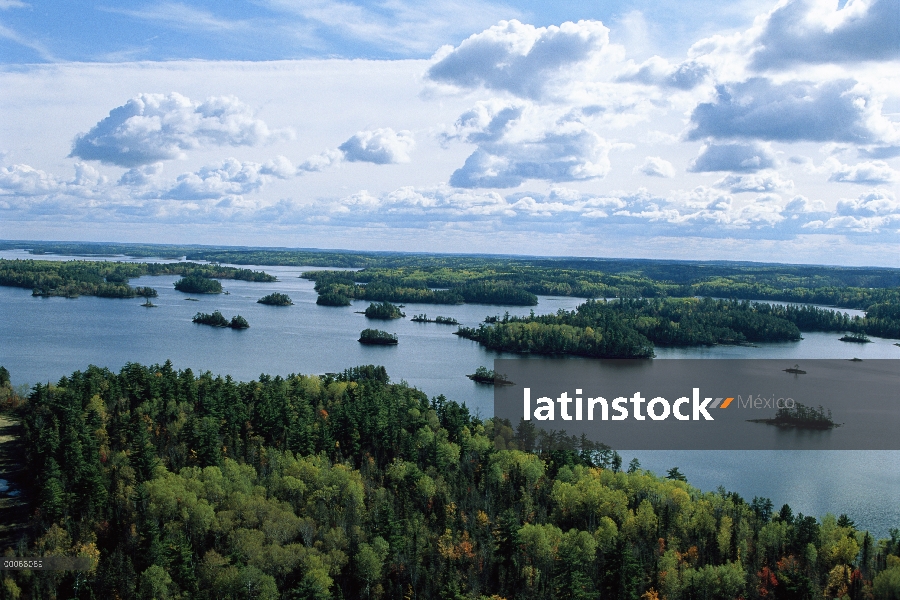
(380, 146)
(867, 173)
(154, 127)
(26, 181)
(231, 178)
(521, 59)
(877, 203)
(834, 111)
(658, 71)
(570, 152)
(7, 4)
(769, 182)
(741, 158)
(817, 31)
(654, 166)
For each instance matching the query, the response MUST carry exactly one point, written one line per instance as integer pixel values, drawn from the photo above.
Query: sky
(746, 130)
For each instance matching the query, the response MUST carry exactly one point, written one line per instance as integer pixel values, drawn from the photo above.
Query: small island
(217, 320)
(148, 304)
(423, 318)
(801, 417)
(377, 337)
(195, 284)
(489, 377)
(383, 310)
(332, 299)
(857, 338)
(276, 299)
(795, 370)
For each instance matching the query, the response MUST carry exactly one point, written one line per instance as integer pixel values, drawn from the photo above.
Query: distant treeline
(515, 280)
(107, 279)
(178, 485)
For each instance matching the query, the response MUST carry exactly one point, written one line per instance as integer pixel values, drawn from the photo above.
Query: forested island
(801, 416)
(423, 318)
(384, 311)
(108, 279)
(857, 338)
(488, 377)
(197, 284)
(182, 485)
(276, 299)
(377, 337)
(216, 319)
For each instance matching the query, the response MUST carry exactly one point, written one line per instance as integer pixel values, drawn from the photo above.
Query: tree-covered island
(377, 337)
(196, 284)
(423, 318)
(489, 377)
(383, 310)
(801, 416)
(276, 299)
(175, 484)
(856, 338)
(216, 319)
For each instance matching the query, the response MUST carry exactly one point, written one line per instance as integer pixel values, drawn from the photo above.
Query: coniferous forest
(184, 485)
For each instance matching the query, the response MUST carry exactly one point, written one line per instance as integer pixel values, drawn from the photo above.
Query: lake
(44, 339)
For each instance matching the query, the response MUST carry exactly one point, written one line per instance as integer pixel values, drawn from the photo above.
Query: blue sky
(737, 130)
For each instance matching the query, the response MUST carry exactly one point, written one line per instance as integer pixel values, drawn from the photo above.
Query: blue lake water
(43, 339)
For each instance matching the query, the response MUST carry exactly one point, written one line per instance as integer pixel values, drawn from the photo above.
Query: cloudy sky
(744, 130)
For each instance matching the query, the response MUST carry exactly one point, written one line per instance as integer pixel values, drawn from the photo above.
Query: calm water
(43, 339)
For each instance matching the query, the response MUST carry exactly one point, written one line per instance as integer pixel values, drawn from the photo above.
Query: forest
(184, 485)
(631, 328)
(110, 279)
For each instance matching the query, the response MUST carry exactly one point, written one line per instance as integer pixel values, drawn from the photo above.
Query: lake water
(43, 339)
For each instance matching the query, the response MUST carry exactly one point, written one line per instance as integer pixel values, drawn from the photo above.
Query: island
(148, 304)
(332, 299)
(489, 377)
(383, 310)
(216, 319)
(856, 338)
(795, 370)
(377, 337)
(801, 416)
(423, 318)
(276, 299)
(197, 284)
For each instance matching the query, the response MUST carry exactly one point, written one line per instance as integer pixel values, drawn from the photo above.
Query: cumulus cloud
(26, 181)
(834, 111)
(654, 166)
(817, 31)
(230, 178)
(658, 71)
(876, 203)
(519, 58)
(569, 153)
(741, 158)
(155, 127)
(380, 146)
(867, 173)
(880, 152)
(771, 182)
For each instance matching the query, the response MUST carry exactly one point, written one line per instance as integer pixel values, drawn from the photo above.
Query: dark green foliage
(377, 336)
(332, 299)
(106, 279)
(383, 310)
(276, 299)
(238, 322)
(195, 284)
(216, 319)
(349, 486)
